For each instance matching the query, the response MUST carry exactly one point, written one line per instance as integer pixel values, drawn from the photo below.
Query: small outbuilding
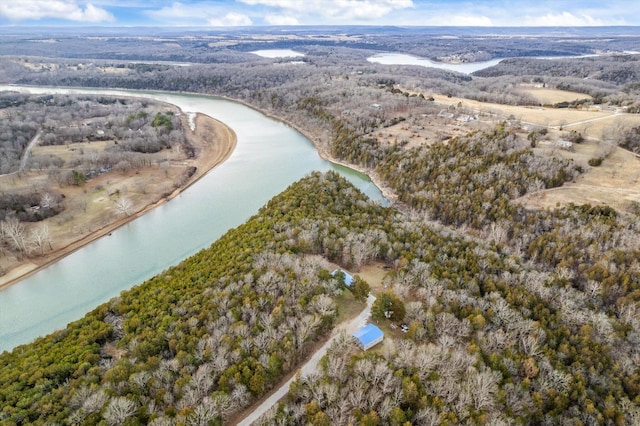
(368, 336)
(348, 279)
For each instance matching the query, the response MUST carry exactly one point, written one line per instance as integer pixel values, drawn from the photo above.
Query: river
(269, 157)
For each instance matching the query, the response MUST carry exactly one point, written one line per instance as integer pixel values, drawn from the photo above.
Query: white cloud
(231, 19)
(281, 20)
(58, 9)
(564, 19)
(91, 14)
(341, 10)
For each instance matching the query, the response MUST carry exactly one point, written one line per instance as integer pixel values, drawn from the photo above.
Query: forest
(560, 287)
(202, 340)
(515, 314)
(500, 329)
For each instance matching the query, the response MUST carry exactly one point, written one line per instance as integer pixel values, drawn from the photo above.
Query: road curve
(310, 366)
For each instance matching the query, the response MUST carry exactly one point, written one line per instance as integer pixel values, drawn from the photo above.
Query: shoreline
(209, 159)
(315, 141)
(322, 152)
(28, 268)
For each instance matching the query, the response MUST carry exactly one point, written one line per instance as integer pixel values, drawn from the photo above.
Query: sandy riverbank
(214, 143)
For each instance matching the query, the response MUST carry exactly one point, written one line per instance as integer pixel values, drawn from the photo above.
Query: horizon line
(314, 26)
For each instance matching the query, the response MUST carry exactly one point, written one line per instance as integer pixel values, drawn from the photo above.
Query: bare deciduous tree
(483, 387)
(203, 415)
(95, 401)
(47, 200)
(324, 305)
(124, 206)
(16, 233)
(118, 410)
(41, 238)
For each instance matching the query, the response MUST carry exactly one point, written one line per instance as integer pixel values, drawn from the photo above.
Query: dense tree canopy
(212, 333)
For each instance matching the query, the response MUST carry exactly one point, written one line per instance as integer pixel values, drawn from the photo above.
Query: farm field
(533, 116)
(553, 96)
(615, 183)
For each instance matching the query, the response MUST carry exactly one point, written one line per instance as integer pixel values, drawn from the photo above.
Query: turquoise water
(269, 157)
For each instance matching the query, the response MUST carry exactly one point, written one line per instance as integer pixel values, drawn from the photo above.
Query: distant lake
(404, 59)
(277, 53)
(464, 68)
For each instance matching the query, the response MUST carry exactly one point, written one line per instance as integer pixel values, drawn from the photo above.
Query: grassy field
(592, 122)
(67, 152)
(538, 116)
(552, 96)
(616, 182)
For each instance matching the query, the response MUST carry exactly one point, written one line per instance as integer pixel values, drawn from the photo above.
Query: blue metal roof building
(368, 336)
(348, 279)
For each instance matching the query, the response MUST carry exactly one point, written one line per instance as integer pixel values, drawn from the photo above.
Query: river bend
(269, 156)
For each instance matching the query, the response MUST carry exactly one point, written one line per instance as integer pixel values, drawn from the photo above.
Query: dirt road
(311, 366)
(27, 151)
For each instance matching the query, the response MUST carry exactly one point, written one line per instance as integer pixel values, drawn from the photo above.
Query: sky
(225, 13)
